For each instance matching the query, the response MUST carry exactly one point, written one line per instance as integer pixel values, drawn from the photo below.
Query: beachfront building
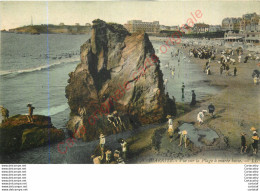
(138, 25)
(88, 25)
(200, 28)
(250, 23)
(77, 24)
(231, 36)
(61, 24)
(214, 28)
(231, 24)
(252, 37)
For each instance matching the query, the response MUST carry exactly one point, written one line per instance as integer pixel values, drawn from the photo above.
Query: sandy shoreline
(237, 109)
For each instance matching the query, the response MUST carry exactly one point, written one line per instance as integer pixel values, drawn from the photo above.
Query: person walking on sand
(243, 143)
(193, 98)
(170, 129)
(183, 135)
(211, 108)
(30, 114)
(235, 71)
(102, 141)
(255, 138)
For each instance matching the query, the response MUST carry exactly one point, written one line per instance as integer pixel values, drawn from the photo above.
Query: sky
(16, 14)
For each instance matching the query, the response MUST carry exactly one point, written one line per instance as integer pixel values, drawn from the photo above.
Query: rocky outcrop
(17, 134)
(118, 71)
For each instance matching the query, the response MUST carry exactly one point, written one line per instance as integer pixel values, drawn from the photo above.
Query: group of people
(5, 113)
(254, 144)
(201, 114)
(106, 156)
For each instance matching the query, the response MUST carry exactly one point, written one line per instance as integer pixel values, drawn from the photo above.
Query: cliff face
(17, 134)
(118, 71)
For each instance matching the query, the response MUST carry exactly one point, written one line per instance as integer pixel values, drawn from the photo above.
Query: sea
(34, 69)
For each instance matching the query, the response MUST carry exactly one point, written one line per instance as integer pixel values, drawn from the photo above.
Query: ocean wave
(53, 110)
(40, 68)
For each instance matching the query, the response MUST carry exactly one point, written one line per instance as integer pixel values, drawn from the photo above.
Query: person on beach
(30, 113)
(221, 70)
(243, 143)
(97, 159)
(124, 149)
(256, 80)
(235, 71)
(102, 141)
(183, 135)
(116, 155)
(193, 98)
(108, 156)
(255, 139)
(5, 113)
(239, 59)
(170, 129)
(182, 89)
(200, 116)
(211, 108)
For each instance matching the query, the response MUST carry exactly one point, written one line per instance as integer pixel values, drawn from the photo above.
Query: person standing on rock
(243, 143)
(183, 135)
(102, 142)
(193, 98)
(30, 115)
(5, 113)
(170, 129)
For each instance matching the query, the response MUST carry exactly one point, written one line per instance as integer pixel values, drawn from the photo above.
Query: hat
(255, 138)
(168, 116)
(114, 112)
(192, 90)
(253, 129)
(204, 111)
(29, 105)
(184, 132)
(101, 136)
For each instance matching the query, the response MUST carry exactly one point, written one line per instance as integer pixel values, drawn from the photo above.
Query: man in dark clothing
(211, 108)
(235, 71)
(193, 98)
(243, 143)
(30, 115)
(182, 89)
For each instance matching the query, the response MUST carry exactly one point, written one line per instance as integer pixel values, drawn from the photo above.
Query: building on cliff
(138, 25)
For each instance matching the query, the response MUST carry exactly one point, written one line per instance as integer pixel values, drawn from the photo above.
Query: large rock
(18, 134)
(115, 74)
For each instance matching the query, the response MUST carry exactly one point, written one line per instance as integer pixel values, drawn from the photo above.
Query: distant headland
(51, 29)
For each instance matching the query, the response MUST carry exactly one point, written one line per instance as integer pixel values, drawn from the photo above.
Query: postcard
(137, 82)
